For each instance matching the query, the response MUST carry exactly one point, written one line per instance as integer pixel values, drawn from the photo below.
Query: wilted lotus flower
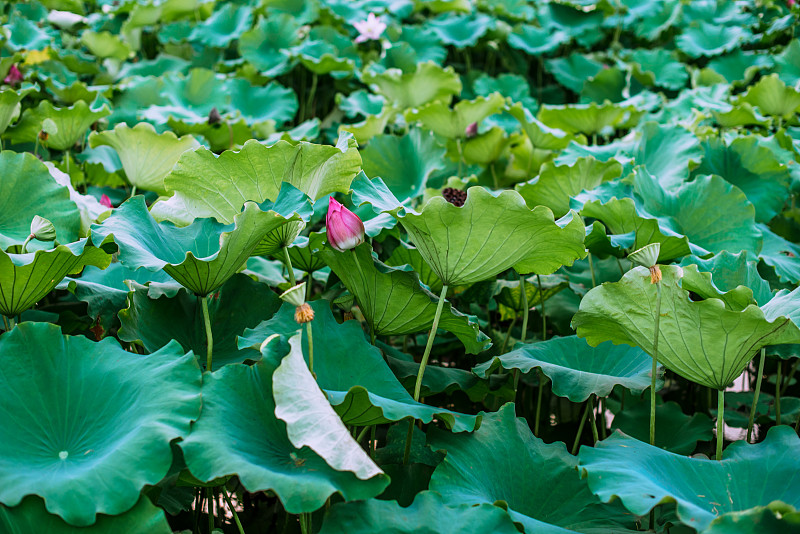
(472, 130)
(105, 201)
(345, 229)
(296, 296)
(647, 256)
(14, 76)
(370, 29)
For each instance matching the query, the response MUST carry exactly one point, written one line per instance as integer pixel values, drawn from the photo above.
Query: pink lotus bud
(472, 130)
(14, 76)
(345, 229)
(790, 3)
(105, 201)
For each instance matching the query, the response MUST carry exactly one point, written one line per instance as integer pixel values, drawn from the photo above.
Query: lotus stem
(544, 315)
(538, 403)
(363, 433)
(789, 376)
(778, 394)
(409, 439)
(310, 350)
(591, 270)
(594, 418)
(508, 334)
(25, 244)
(5, 322)
(654, 370)
(209, 335)
(210, 502)
(305, 523)
(289, 267)
(580, 429)
(233, 510)
(720, 422)
(133, 191)
(311, 94)
(756, 394)
(525, 309)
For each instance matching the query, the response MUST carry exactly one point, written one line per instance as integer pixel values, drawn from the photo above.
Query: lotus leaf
(428, 83)
(773, 97)
(668, 152)
(453, 123)
(71, 123)
(589, 118)
(675, 431)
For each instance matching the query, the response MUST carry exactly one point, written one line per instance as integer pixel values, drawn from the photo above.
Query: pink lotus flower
(345, 229)
(105, 201)
(472, 130)
(370, 29)
(14, 76)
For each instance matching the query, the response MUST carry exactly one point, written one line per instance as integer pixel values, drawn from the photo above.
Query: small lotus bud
(42, 229)
(472, 130)
(14, 76)
(296, 296)
(105, 201)
(456, 197)
(214, 117)
(345, 229)
(303, 314)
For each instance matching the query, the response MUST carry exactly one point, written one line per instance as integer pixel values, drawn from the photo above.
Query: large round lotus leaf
(265, 45)
(752, 168)
(72, 124)
(573, 71)
(207, 185)
(732, 270)
(321, 57)
(226, 24)
(27, 278)
(667, 152)
(557, 184)
(702, 341)
(146, 156)
(428, 513)
(96, 416)
(428, 83)
(106, 45)
(27, 189)
(353, 374)
(461, 30)
(240, 303)
(642, 476)
(540, 135)
(706, 39)
(775, 517)
(404, 163)
(537, 482)
(10, 105)
(739, 66)
(200, 256)
(489, 234)
(192, 97)
(453, 123)
(780, 254)
(273, 102)
(659, 67)
(773, 97)
(238, 434)
(536, 41)
(392, 300)
(585, 118)
(787, 63)
(578, 370)
(31, 516)
(405, 254)
(302, 252)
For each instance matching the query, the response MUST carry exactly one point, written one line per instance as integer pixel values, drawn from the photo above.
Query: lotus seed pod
(296, 296)
(42, 229)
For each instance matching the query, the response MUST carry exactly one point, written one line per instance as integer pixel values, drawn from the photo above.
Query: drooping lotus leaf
(428, 83)
(10, 105)
(773, 97)
(461, 30)
(702, 341)
(146, 156)
(392, 300)
(659, 67)
(578, 370)
(201, 257)
(540, 135)
(752, 168)
(26, 278)
(404, 163)
(675, 431)
(31, 516)
(238, 434)
(536, 481)
(452, 123)
(706, 39)
(732, 270)
(780, 254)
(27, 189)
(436, 380)
(668, 152)
(97, 417)
(72, 123)
(206, 185)
(536, 41)
(310, 419)
(489, 234)
(601, 244)
(89, 207)
(585, 118)
(266, 45)
(573, 71)
(556, 184)
(155, 320)
(352, 373)
(775, 517)
(642, 476)
(428, 509)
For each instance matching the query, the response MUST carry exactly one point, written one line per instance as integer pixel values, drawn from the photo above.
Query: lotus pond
(399, 266)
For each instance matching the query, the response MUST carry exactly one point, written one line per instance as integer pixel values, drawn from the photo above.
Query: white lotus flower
(370, 29)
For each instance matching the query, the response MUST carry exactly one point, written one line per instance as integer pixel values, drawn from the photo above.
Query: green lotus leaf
(428, 508)
(536, 41)
(787, 63)
(31, 516)
(220, 136)
(583, 25)
(416, 44)
(780, 254)
(428, 83)
(556, 501)
(556, 184)
(659, 67)
(732, 270)
(25, 279)
(106, 45)
(146, 156)
(484, 148)
(273, 102)
(573, 71)
(24, 34)
(302, 252)
(707, 39)
(392, 300)
(104, 418)
(266, 45)
(701, 341)
(405, 254)
(576, 369)
(739, 66)
(540, 135)
(10, 105)
(585, 118)
(642, 476)
(360, 103)
(156, 319)
(752, 168)
(72, 124)
(675, 431)
(436, 380)
(740, 115)
(321, 57)
(238, 434)
(461, 31)
(668, 152)
(310, 420)
(453, 123)
(453, 240)
(404, 163)
(371, 126)
(201, 257)
(775, 517)
(28, 190)
(223, 26)
(191, 97)
(207, 185)
(508, 294)
(352, 373)
(601, 244)
(773, 97)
